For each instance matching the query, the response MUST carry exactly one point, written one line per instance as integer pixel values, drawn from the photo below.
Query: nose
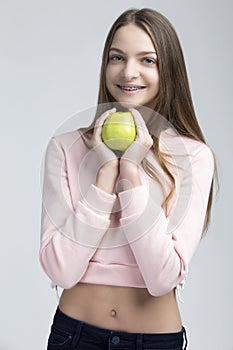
(130, 70)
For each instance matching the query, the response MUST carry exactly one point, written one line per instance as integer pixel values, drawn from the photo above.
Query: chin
(127, 105)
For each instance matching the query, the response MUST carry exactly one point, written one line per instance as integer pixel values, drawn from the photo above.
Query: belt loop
(139, 341)
(185, 337)
(76, 335)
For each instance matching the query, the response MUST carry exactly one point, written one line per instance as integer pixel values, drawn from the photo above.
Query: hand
(105, 154)
(137, 151)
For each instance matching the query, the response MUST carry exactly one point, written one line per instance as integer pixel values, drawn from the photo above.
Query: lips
(130, 87)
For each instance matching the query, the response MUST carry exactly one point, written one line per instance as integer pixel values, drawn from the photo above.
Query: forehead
(132, 37)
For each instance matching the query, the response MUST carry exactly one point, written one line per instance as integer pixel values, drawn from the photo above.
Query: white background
(50, 55)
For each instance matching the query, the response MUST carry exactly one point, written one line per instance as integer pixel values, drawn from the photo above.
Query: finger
(138, 117)
(141, 129)
(140, 123)
(143, 135)
(99, 124)
(101, 119)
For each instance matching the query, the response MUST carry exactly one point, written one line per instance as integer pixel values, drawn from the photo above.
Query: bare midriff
(122, 308)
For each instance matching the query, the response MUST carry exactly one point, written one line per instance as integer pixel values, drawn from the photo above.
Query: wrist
(106, 178)
(128, 168)
(130, 172)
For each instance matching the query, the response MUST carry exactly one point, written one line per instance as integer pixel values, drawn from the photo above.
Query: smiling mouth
(130, 88)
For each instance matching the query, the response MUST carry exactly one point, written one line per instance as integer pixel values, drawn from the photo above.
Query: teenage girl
(119, 229)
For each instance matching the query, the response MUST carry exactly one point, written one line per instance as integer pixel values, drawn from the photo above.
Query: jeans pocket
(59, 338)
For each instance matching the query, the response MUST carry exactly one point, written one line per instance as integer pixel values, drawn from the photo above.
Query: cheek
(108, 75)
(111, 77)
(155, 80)
(112, 71)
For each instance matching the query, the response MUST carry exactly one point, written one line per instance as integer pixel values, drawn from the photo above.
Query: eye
(116, 58)
(149, 60)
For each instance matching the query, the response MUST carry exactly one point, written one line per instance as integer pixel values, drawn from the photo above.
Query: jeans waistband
(71, 325)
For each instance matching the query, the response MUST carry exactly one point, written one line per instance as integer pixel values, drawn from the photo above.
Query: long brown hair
(173, 101)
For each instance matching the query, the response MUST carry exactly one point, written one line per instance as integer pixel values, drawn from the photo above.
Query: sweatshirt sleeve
(70, 233)
(164, 245)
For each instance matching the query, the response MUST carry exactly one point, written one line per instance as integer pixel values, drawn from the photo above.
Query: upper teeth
(130, 87)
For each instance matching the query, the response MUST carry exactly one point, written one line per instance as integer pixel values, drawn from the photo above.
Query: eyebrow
(139, 54)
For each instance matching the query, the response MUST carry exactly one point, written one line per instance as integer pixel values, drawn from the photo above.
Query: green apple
(119, 130)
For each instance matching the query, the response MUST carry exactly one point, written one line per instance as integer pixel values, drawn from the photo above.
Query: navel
(113, 313)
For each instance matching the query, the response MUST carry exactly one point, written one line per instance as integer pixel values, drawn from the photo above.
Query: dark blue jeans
(68, 333)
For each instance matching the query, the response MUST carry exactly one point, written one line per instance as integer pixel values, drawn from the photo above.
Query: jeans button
(115, 339)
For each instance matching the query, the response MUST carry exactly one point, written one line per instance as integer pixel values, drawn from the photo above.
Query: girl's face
(132, 75)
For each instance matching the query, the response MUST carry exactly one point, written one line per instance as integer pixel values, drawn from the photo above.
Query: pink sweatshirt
(124, 238)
